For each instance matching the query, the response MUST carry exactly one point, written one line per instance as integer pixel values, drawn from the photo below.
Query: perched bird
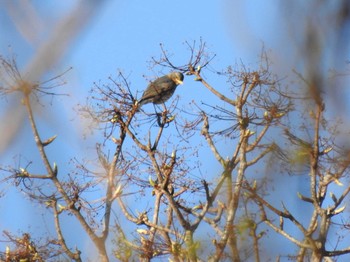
(161, 89)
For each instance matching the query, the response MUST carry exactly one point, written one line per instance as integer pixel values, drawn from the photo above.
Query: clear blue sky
(125, 35)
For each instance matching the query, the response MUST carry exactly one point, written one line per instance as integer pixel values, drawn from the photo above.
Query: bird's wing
(158, 88)
(162, 84)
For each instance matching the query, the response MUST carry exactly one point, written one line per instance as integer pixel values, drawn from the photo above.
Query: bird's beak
(178, 82)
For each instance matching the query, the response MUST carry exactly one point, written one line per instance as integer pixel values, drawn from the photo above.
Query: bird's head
(177, 77)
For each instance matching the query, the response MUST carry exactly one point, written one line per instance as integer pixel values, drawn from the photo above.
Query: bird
(161, 89)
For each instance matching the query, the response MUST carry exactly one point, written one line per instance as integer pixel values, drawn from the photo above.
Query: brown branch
(126, 212)
(251, 146)
(246, 92)
(39, 144)
(214, 91)
(153, 230)
(337, 252)
(340, 199)
(52, 173)
(196, 73)
(259, 157)
(164, 229)
(124, 127)
(314, 162)
(286, 214)
(286, 235)
(74, 256)
(205, 133)
(183, 222)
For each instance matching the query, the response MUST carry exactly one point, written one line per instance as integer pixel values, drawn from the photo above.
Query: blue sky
(125, 35)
